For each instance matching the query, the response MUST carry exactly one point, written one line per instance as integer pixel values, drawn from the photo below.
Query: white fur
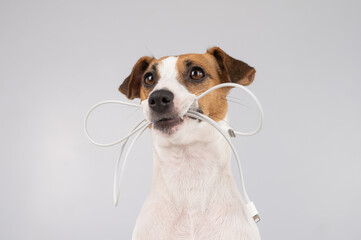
(168, 80)
(193, 194)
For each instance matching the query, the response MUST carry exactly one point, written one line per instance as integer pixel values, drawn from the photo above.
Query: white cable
(116, 190)
(250, 94)
(139, 127)
(117, 141)
(205, 118)
(116, 187)
(143, 125)
(250, 206)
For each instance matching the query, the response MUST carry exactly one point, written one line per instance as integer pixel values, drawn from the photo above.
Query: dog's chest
(224, 218)
(194, 196)
(189, 174)
(219, 221)
(203, 201)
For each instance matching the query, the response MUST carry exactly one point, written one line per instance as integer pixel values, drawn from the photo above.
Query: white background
(57, 58)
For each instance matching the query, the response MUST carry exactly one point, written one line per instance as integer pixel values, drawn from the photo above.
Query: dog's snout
(161, 100)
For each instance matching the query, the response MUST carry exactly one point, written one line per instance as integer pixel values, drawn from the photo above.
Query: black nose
(160, 100)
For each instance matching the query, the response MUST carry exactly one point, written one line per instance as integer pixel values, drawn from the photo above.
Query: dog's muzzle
(162, 110)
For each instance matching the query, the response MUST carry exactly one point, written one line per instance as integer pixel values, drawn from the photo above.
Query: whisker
(214, 91)
(241, 104)
(240, 100)
(219, 119)
(200, 92)
(236, 98)
(228, 96)
(151, 54)
(132, 113)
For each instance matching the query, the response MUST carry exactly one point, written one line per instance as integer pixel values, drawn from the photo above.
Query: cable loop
(141, 126)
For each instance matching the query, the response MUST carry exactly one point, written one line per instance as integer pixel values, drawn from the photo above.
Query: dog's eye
(197, 73)
(148, 79)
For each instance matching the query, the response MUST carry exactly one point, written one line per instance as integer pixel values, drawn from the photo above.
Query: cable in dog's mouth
(199, 110)
(166, 123)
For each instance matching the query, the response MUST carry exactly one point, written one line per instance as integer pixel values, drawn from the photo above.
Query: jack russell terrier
(193, 194)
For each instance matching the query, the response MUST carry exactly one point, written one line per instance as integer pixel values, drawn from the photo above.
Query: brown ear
(131, 85)
(233, 70)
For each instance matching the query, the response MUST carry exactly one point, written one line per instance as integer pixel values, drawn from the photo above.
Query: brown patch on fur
(213, 104)
(237, 71)
(219, 68)
(132, 84)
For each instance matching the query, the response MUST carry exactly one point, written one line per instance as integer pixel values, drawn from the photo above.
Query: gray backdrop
(58, 58)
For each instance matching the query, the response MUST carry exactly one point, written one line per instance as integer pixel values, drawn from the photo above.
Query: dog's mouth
(166, 124)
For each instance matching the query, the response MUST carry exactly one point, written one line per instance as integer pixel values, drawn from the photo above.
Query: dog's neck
(190, 175)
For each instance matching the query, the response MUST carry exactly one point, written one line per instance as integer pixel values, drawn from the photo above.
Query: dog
(193, 194)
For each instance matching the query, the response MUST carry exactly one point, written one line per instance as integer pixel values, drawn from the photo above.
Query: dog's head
(168, 86)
